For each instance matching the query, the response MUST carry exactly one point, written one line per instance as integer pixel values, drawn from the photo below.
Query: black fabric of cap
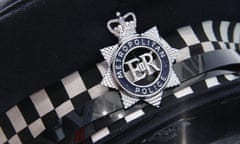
(42, 41)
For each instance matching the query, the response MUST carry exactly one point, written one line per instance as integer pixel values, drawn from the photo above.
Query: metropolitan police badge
(140, 65)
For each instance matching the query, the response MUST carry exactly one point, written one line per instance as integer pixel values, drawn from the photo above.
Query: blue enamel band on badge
(130, 87)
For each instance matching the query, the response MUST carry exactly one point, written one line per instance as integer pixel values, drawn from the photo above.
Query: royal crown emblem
(140, 65)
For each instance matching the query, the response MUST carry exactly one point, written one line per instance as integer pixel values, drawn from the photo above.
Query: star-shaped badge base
(128, 101)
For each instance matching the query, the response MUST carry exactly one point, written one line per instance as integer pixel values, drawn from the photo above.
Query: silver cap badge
(140, 65)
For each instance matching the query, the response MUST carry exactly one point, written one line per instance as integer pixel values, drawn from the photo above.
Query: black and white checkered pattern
(102, 131)
(178, 92)
(203, 85)
(43, 109)
(105, 131)
(208, 36)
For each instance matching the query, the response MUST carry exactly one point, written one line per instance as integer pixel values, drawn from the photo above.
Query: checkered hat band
(43, 109)
(118, 119)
